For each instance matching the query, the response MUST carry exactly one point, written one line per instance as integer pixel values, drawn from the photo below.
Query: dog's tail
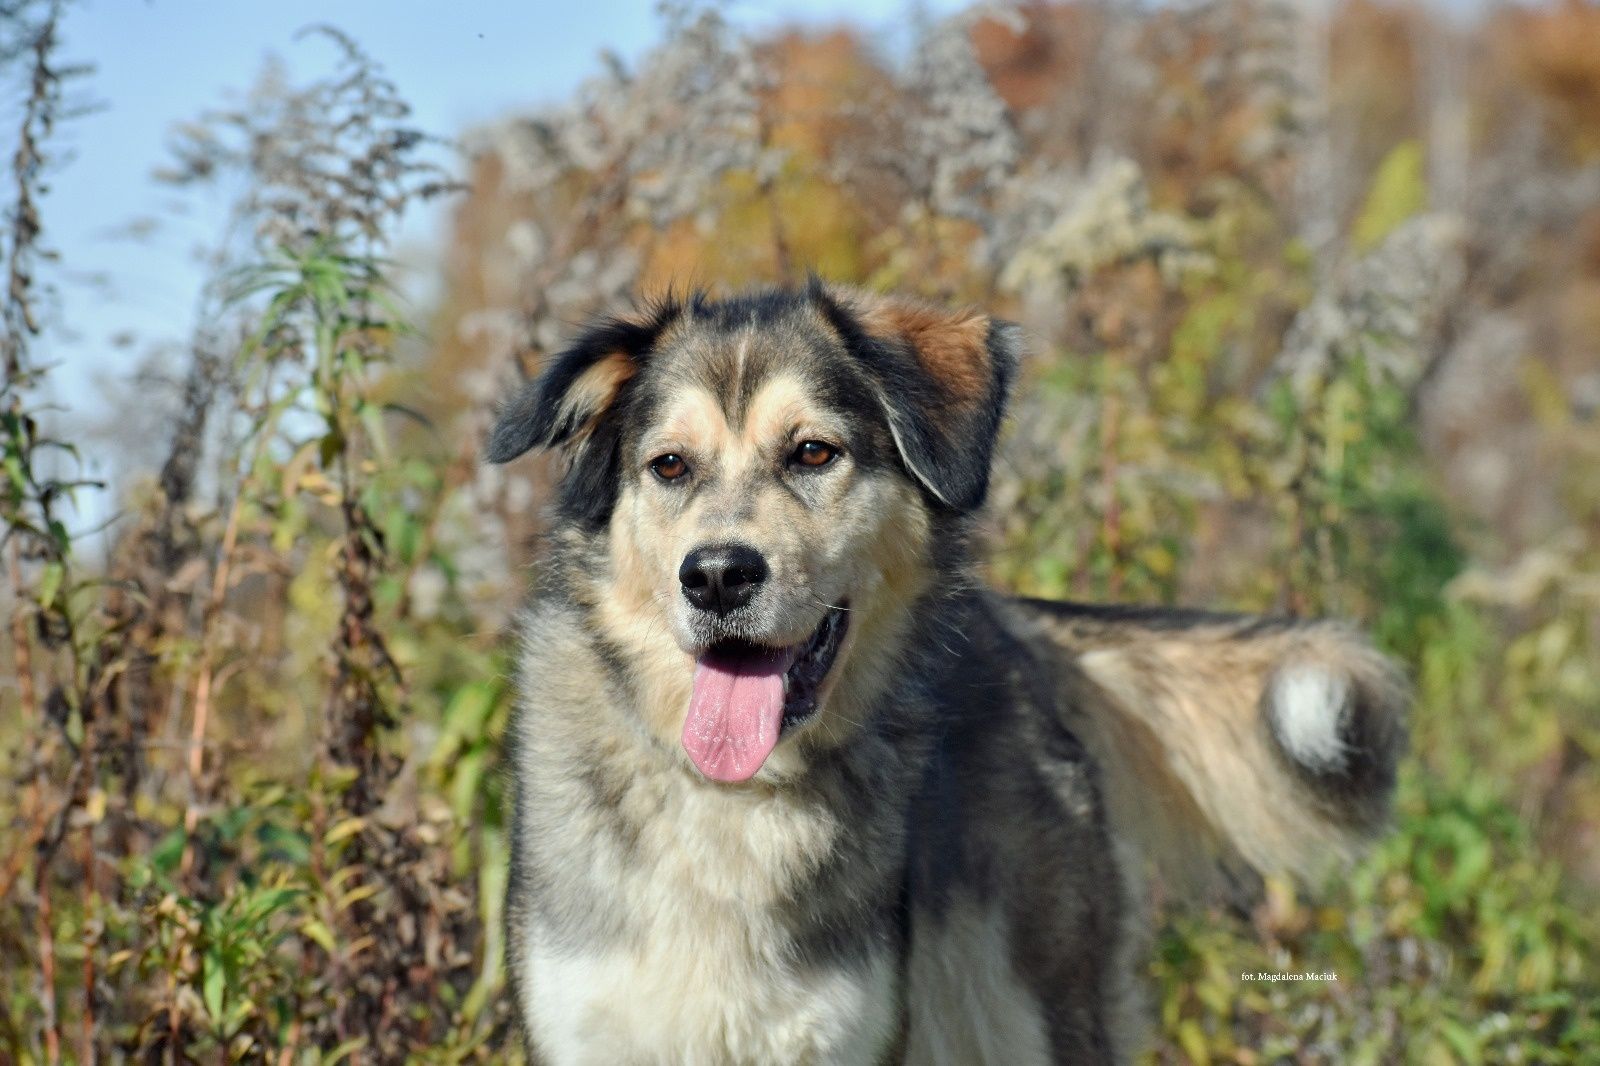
(1231, 746)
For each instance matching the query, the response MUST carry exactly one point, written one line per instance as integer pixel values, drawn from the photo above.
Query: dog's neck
(796, 852)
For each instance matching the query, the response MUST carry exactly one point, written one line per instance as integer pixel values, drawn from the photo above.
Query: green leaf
(1399, 191)
(265, 904)
(50, 583)
(469, 772)
(214, 982)
(372, 421)
(331, 444)
(168, 851)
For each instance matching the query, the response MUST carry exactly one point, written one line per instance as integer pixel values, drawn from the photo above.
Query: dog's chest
(698, 966)
(683, 999)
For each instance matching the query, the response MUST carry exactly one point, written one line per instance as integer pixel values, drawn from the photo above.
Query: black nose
(723, 577)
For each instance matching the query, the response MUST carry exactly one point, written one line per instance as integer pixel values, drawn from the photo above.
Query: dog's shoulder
(1016, 902)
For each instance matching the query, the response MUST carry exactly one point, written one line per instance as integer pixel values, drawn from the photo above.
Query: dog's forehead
(735, 358)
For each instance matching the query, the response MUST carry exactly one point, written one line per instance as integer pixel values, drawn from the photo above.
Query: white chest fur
(701, 973)
(676, 1000)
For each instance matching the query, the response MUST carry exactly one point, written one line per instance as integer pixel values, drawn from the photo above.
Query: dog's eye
(814, 453)
(669, 467)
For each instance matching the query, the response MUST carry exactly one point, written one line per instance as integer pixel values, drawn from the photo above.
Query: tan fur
(950, 344)
(597, 387)
(1191, 777)
(871, 547)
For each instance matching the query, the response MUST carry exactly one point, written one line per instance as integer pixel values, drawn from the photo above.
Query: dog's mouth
(746, 696)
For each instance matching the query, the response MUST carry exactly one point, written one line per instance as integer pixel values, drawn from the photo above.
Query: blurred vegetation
(1314, 308)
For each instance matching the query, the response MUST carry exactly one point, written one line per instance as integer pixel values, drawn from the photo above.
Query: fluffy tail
(1231, 746)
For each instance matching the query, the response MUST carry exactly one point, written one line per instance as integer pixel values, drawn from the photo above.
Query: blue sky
(159, 62)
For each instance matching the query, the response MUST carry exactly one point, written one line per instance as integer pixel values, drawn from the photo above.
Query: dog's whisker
(830, 606)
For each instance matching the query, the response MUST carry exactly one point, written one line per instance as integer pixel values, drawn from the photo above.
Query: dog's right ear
(565, 403)
(573, 404)
(942, 377)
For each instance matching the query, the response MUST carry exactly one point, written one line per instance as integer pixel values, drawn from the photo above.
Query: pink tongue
(735, 712)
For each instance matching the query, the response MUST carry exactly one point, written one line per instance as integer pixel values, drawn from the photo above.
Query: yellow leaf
(94, 807)
(347, 828)
(357, 894)
(1192, 1039)
(313, 929)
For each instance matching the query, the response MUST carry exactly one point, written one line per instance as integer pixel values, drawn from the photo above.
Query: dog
(792, 786)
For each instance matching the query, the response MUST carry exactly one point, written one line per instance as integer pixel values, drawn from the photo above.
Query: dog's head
(761, 483)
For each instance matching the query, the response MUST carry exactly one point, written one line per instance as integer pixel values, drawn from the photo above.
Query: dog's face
(759, 483)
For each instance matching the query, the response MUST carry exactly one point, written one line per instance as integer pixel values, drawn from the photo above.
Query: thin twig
(205, 671)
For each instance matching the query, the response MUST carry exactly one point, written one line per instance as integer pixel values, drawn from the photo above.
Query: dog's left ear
(942, 377)
(573, 405)
(578, 385)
